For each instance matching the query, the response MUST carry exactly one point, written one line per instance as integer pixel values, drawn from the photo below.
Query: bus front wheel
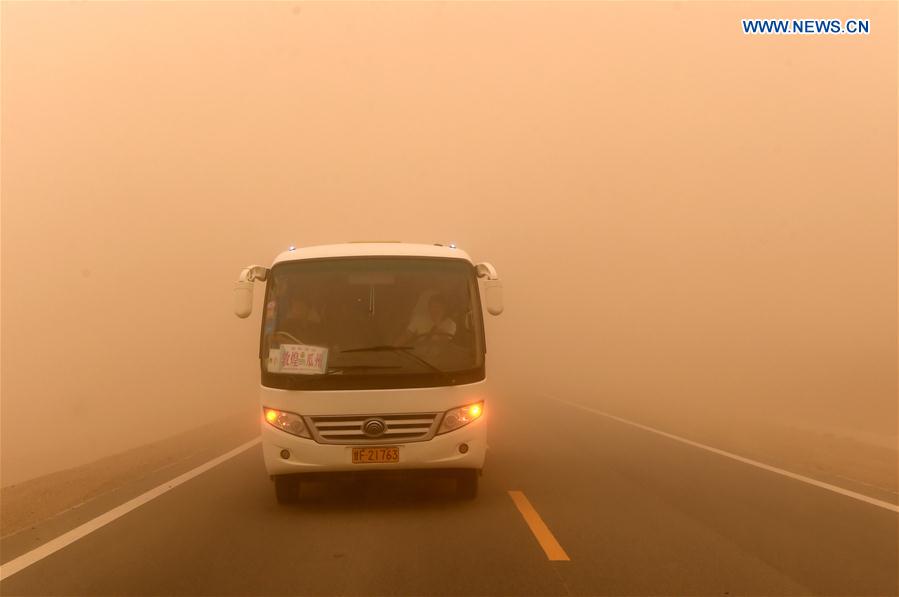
(467, 484)
(287, 489)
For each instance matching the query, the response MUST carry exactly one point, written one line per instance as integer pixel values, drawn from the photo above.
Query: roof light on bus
(291, 248)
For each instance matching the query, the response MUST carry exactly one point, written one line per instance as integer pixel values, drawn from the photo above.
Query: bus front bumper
(307, 456)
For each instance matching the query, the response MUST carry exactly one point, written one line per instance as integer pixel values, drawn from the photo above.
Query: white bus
(372, 358)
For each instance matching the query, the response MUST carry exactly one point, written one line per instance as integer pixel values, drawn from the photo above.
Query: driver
(435, 323)
(301, 321)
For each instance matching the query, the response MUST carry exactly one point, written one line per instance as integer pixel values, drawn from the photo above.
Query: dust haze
(692, 225)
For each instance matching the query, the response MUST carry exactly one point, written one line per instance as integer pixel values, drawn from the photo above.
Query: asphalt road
(637, 514)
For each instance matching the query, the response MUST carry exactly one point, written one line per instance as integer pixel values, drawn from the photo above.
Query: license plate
(376, 455)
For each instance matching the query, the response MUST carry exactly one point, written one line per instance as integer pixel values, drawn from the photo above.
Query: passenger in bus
(435, 324)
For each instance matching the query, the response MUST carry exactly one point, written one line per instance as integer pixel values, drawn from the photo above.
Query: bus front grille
(373, 429)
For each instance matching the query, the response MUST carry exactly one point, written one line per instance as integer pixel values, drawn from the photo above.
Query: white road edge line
(773, 469)
(37, 554)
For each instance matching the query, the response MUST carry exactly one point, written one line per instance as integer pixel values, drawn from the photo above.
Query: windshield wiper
(405, 350)
(341, 368)
(377, 348)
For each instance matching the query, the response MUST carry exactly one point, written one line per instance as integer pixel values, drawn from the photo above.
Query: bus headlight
(290, 422)
(459, 417)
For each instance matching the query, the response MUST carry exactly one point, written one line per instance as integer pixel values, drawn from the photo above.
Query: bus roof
(372, 249)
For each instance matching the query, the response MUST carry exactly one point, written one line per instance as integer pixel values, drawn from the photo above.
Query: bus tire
(287, 489)
(467, 484)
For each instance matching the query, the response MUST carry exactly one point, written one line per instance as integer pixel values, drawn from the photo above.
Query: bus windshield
(371, 322)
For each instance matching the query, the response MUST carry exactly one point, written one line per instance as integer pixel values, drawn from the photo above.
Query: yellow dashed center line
(544, 536)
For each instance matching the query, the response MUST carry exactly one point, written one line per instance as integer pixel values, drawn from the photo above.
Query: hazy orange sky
(682, 214)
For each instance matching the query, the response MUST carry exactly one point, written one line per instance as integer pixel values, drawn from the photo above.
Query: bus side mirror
(243, 289)
(493, 287)
(243, 299)
(493, 291)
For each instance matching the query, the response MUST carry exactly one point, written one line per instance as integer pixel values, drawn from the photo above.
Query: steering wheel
(433, 335)
(290, 336)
